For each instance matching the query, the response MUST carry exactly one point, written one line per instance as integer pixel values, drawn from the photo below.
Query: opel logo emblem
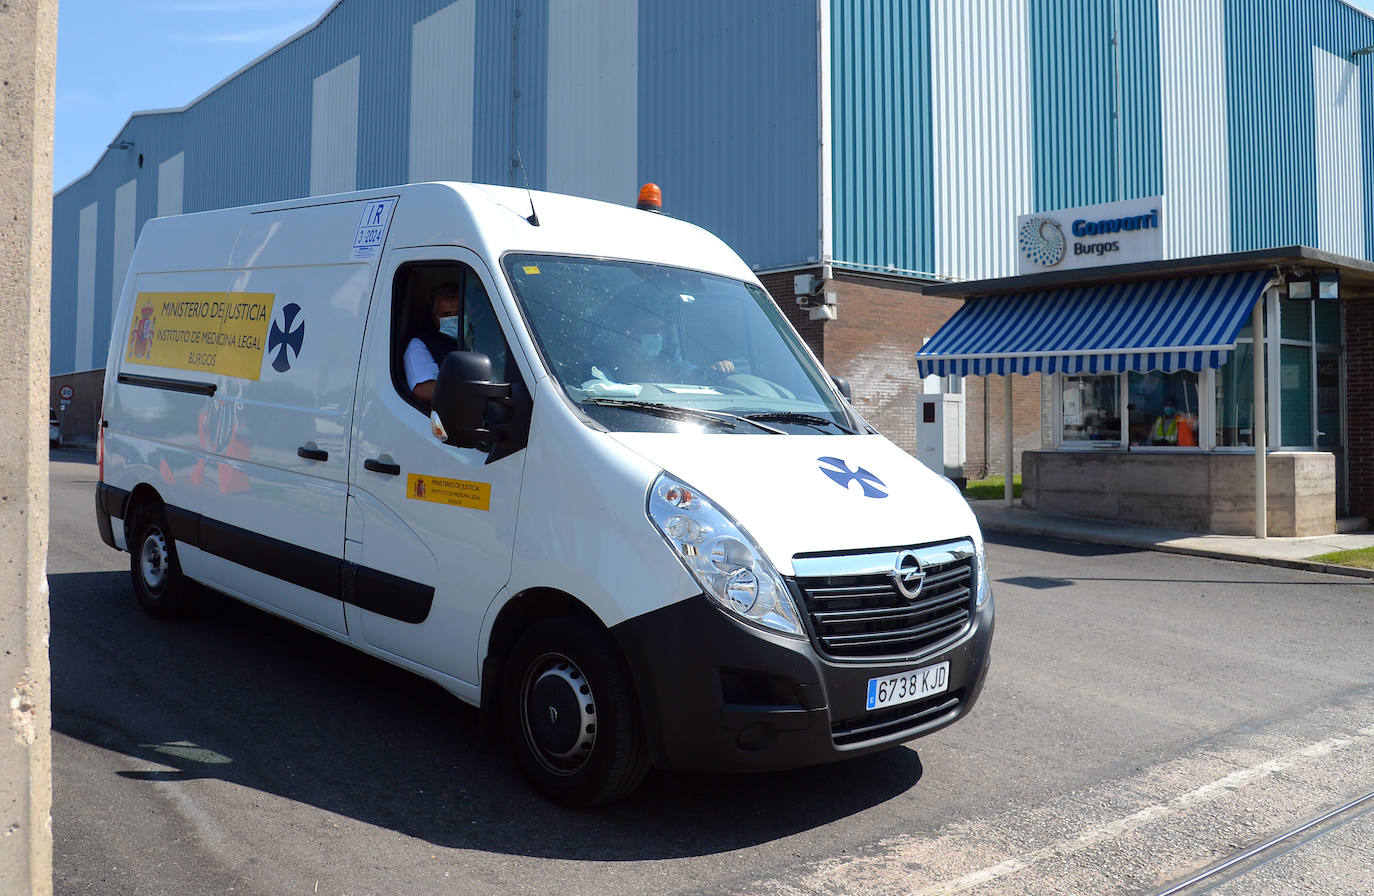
(553, 716)
(908, 575)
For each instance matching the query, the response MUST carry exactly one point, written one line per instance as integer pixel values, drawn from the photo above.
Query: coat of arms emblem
(144, 328)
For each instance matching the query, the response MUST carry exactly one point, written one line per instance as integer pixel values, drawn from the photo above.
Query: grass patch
(991, 488)
(1363, 558)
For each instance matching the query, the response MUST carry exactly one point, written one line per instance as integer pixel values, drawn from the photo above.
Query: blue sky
(116, 57)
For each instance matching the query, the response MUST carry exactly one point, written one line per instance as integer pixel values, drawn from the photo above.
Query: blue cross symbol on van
(839, 471)
(284, 340)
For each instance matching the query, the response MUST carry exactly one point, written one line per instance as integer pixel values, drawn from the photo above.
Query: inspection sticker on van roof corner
(453, 492)
(372, 228)
(210, 332)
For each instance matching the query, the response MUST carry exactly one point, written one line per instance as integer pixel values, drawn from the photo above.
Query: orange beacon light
(650, 198)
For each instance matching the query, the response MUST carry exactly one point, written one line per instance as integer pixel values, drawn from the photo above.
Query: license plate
(904, 687)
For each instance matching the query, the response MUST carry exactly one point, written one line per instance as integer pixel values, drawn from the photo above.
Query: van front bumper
(717, 694)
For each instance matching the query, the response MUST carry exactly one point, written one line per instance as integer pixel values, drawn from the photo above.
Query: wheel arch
(515, 617)
(143, 495)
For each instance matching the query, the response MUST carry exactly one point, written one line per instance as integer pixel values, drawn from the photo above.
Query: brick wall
(988, 458)
(1359, 382)
(873, 342)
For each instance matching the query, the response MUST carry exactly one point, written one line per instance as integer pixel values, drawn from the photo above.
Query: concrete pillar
(1258, 424)
(28, 53)
(1008, 488)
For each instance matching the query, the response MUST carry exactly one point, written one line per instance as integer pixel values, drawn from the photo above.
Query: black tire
(569, 714)
(162, 591)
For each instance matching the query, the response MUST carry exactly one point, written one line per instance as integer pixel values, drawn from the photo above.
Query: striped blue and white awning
(1166, 325)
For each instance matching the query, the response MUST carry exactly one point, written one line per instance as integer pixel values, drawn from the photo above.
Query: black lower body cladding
(720, 695)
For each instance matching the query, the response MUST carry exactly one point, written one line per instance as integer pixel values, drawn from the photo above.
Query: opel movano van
(565, 458)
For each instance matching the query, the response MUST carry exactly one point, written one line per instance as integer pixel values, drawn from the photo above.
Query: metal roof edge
(1169, 269)
(1349, 4)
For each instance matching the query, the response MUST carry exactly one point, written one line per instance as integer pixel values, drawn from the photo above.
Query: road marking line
(1088, 838)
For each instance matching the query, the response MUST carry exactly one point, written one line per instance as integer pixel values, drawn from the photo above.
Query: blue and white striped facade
(896, 137)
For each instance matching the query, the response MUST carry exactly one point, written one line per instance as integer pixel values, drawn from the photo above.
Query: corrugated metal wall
(592, 101)
(1095, 101)
(443, 67)
(947, 119)
(1338, 154)
(884, 195)
(729, 120)
(1271, 114)
(1209, 102)
(981, 134)
(1197, 164)
(332, 109)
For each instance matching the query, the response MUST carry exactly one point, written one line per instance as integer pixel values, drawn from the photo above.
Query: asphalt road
(1146, 716)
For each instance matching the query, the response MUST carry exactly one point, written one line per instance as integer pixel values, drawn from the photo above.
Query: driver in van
(641, 357)
(430, 345)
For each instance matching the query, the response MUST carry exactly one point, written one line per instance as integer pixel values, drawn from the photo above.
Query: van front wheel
(162, 591)
(569, 714)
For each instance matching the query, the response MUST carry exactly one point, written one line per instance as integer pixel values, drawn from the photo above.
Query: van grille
(864, 616)
(887, 722)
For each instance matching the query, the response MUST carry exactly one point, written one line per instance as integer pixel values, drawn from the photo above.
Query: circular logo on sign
(66, 392)
(1042, 241)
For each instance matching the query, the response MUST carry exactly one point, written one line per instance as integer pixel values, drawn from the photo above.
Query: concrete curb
(1012, 528)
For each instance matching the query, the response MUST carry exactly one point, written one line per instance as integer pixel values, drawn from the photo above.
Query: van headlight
(722, 557)
(984, 587)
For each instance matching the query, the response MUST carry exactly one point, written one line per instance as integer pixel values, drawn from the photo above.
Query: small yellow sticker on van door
(210, 332)
(453, 492)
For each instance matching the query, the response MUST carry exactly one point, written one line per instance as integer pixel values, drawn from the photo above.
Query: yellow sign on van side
(206, 332)
(453, 492)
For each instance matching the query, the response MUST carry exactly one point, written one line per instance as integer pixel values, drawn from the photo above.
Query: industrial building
(870, 153)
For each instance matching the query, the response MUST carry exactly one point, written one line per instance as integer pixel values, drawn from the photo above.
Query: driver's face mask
(651, 344)
(449, 326)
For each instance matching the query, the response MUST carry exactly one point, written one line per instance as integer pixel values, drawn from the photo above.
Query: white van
(641, 524)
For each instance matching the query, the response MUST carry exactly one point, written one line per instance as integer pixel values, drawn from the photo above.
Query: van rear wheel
(569, 714)
(162, 591)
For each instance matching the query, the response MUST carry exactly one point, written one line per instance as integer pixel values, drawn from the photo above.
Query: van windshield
(653, 348)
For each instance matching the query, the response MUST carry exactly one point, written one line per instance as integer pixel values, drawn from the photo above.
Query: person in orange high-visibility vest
(1171, 427)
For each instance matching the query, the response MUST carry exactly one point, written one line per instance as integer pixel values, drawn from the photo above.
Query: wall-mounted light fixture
(1329, 285)
(1307, 284)
(1362, 51)
(121, 144)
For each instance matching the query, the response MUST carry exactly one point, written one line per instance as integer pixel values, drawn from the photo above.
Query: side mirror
(463, 392)
(843, 385)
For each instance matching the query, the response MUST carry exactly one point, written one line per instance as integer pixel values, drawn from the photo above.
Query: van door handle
(310, 453)
(381, 466)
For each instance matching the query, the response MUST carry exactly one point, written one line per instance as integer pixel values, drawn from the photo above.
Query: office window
(1091, 408)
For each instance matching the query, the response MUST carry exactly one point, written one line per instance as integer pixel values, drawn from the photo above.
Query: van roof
(496, 219)
(491, 221)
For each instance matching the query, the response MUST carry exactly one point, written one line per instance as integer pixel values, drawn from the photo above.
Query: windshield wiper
(678, 412)
(798, 417)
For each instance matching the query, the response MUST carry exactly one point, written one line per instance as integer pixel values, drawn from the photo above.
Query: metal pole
(1008, 437)
(1258, 422)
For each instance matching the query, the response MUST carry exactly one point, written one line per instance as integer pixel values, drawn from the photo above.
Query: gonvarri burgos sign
(1091, 236)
